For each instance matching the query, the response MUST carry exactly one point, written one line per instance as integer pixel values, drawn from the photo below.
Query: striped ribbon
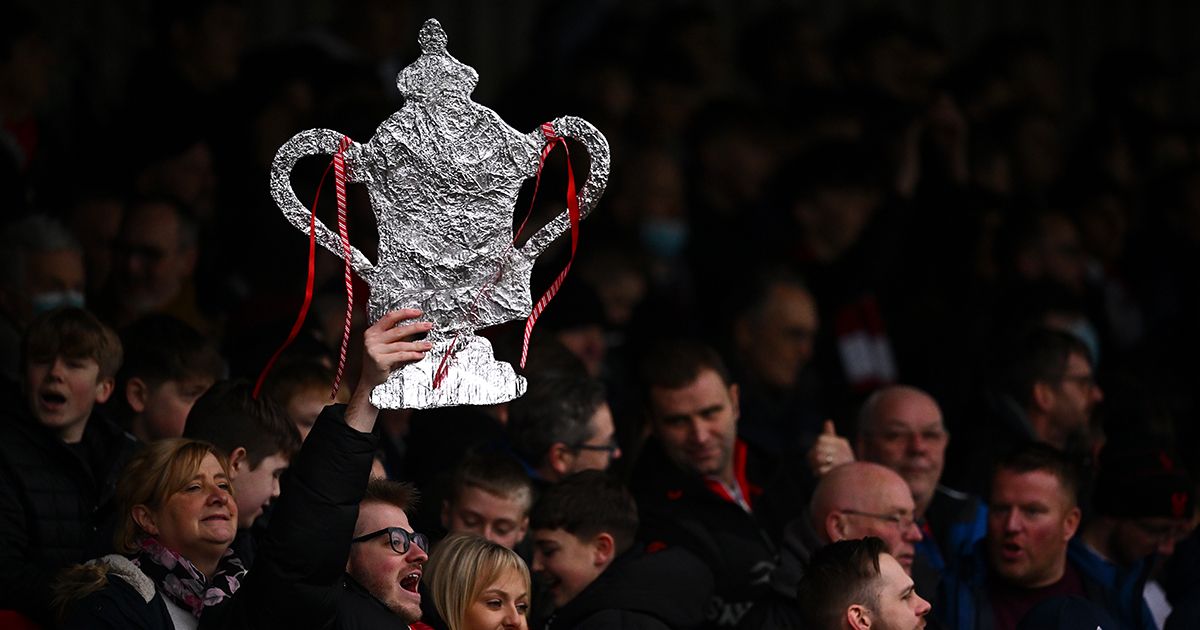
(338, 164)
(552, 140)
(573, 213)
(339, 185)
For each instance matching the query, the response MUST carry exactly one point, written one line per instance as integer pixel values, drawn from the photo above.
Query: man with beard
(386, 557)
(856, 585)
(1047, 394)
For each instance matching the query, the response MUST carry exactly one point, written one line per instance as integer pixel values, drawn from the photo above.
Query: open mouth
(52, 399)
(410, 582)
(1010, 551)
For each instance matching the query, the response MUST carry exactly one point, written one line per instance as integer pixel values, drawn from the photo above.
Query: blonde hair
(461, 567)
(157, 471)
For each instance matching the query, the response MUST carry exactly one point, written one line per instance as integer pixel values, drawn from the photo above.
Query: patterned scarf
(177, 578)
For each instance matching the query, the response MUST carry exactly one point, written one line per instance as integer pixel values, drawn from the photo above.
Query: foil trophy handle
(598, 154)
(315, 142)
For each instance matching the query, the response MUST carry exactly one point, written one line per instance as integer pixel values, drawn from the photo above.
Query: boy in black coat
(583, 534)
(59, 457)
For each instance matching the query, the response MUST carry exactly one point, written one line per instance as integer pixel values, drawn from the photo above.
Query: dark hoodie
(641, 590)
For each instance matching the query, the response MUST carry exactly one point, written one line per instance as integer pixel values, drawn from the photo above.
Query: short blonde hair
(461, 567)
(157, 471)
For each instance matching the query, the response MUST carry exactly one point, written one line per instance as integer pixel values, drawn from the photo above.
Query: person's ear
(560, 457)
(733, 401)
(104, 389)
(1043, 395)
(144, 519)
(835, 526)
(446, 514)
(136, 392)
(523, 528)
(604, 549)
(858, 617)
(1071, 523)
(239, 462)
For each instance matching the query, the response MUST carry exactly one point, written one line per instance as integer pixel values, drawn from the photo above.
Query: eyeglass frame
(611, 448)
(895, 519)
(409, 537)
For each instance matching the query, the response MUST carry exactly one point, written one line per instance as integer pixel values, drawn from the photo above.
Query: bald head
(864, 499)
(901, 427)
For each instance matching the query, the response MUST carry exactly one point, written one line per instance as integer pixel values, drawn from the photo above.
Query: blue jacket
(963, 601)
(953, 524)
(1124, 584)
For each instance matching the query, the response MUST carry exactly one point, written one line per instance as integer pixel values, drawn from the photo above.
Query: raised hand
(829, 451)
(388, 346)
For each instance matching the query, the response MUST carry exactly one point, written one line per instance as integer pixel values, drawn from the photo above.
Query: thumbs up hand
(829, 451)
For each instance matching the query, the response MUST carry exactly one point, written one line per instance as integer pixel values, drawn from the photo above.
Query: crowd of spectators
(863, 333)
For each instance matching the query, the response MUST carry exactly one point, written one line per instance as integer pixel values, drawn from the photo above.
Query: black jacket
(130, 600)
(297, 576)
(669, 589)
(678, 509)
(56, 505)
(359, 610)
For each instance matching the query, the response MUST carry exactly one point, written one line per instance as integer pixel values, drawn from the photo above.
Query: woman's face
(501, 605)
(201, 516)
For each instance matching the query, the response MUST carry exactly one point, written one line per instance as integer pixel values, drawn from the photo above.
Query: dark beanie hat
(1141, 480)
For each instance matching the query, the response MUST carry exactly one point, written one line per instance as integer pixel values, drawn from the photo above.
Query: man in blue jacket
(1144, 502)
(1032, 516)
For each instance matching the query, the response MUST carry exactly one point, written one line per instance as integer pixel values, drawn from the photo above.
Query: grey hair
(35, 234)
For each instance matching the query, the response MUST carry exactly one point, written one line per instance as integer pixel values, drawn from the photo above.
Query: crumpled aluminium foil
(443, 175)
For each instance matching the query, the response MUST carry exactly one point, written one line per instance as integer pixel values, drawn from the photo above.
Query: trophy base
(473, 377)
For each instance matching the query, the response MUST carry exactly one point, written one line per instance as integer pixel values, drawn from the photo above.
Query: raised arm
(297, 575)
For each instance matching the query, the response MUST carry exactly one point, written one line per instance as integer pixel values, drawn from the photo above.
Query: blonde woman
(179, 518)
(478, 585)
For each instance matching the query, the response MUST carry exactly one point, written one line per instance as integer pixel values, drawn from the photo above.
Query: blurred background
(935, 176)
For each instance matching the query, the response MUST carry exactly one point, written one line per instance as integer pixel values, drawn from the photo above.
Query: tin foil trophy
(443, 175)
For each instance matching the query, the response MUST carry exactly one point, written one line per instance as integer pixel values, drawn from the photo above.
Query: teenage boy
(259, 440)
(168, 366)
(59, 457)
(490, 496)
(583, 536)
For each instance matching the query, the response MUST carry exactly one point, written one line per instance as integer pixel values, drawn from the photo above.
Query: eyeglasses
(1162, 532)
(610, 448)
(399, 538)
(901, 522)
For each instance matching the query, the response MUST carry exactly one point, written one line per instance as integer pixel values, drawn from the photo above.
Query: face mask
(664, 238)
(51, 300)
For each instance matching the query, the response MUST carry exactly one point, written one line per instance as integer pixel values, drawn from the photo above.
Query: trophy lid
(436, 73)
